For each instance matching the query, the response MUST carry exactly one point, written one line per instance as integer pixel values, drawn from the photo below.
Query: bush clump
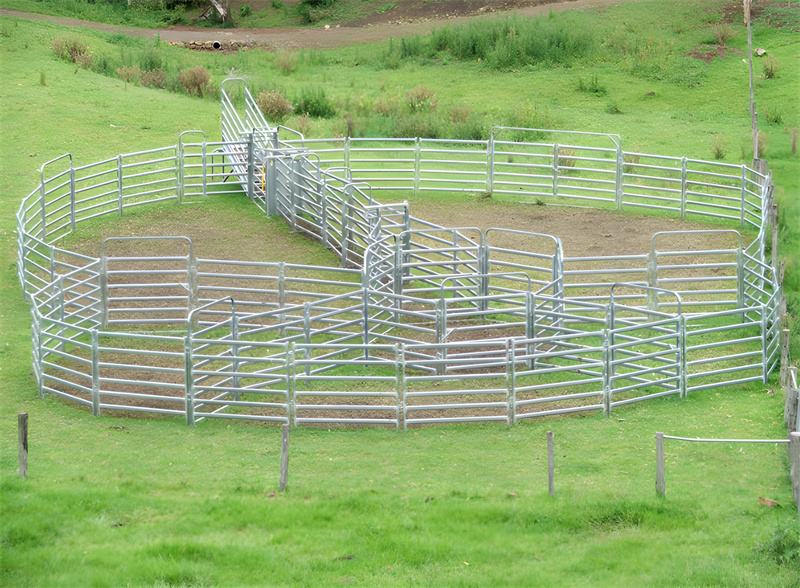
(194, 80)
(421, 99)
(315, 103)
(274, 106)
(72, 49)
(153, 78)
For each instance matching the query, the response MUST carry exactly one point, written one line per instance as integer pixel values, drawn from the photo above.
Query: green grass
(129, 501)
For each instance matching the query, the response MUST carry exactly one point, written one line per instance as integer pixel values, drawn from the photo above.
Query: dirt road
(366, 31)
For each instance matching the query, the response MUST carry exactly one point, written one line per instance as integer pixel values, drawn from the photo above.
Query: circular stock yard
(165, 281)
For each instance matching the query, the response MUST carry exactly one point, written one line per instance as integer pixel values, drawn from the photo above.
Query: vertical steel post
(282, 293)
(251, 162)
(192, 279)
(606, 373)
(188, 376)
(555, 169)
(484, 265)
(365, 320)
(530, 328)
(62, 313)
(764, 341)
(180, 182)
(103, 286)
(399, 383)
(205, 171)
(652, 279)
(307, 335)
(684, 376)
(684, 186)
(120, 189)
(235, 364)
(511, 391)
(271, 165)
(95, 373)
(490, 164)
(291, 384)
(324, 199)
(441, 335)
(44, 211)
(417, 164)
(620, 178)
(71, 195)
(744, 195)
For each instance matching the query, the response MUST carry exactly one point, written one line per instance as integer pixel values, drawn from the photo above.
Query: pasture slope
(113, 501)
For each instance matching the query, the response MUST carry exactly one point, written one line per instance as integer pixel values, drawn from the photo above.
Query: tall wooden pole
(753, 113)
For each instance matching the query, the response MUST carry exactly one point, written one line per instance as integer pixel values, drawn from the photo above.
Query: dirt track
(365, 31)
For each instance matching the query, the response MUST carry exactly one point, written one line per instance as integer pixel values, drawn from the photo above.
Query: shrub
(195, 79)
(286, 61)
(421, 99)
(72, 49)
(315, 102)
(719, 147)
(385, 107)
(723, 32)
(771, 67)
(274, 106)
(245, 10)
(459, 113)
(129, 74)
(154, 78)
(612, 108)
(417, 125)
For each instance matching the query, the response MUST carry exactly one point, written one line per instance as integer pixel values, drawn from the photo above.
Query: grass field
(124, 501)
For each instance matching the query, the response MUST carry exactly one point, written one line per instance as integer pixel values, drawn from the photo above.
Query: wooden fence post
(661, 482)
(22, 420)
(791, 407)
(284, 457)
(794, 459)
(550, 464)
(784, 357)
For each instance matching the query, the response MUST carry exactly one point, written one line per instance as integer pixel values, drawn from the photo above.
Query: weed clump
(286, 61)
(771, 67)
(719, 147)
(773, 117)
(783, 547)
(274, 106)
(592, 86)
(194, 80)
(723, 32)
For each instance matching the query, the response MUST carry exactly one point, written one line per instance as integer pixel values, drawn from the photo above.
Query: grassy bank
(126, 501)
